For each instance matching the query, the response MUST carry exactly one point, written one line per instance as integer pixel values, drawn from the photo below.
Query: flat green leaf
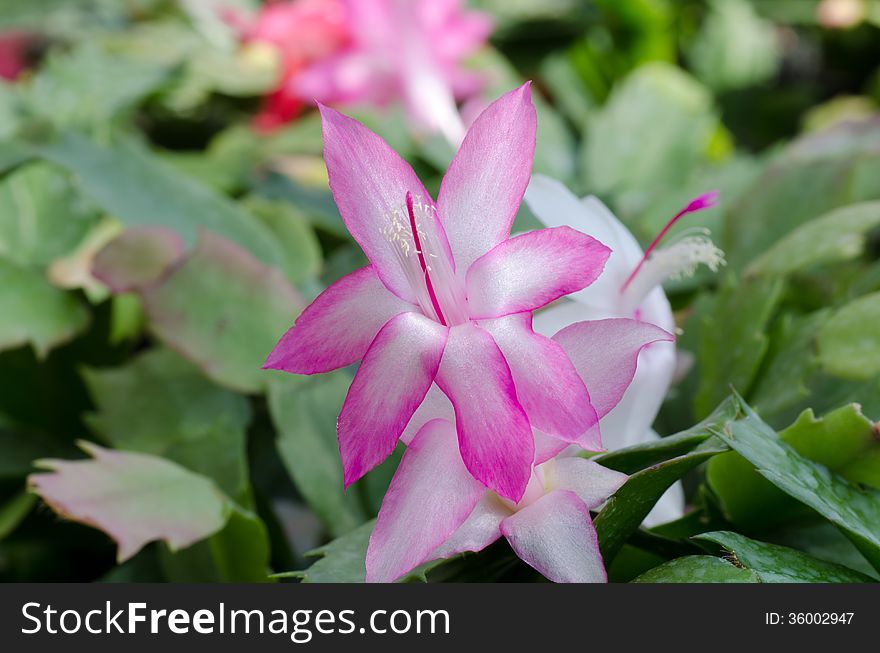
(840, 441)
(837, 236)
(86, 87)
(624, 150)
(340, 561)
(137, 257)
(733, 339)
(224, 310)
(135, 498)
(43, 217)
(853, 511)
(779, 564)
(627, 509)
(33, 311)
(302, 251)
(849, 342)
(304, 411)
(735, 46)
(238, 553)
(161, 404)
(698, 569)
(138, 188)
(13, 512)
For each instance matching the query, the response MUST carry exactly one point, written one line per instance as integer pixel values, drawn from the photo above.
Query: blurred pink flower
(301, 32)
(448, 298)
(13, 53)
(402, 50)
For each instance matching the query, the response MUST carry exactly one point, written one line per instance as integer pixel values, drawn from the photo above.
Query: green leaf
(223, 310)
(735, 47)
(87, 88)
(840, 441)
(779, 564)
(136, 187)
(625, 151)
(849, 342)
(698, 569)
(627, 509)
(135, 498)
(137, 257)
(340, 561)
(160, 404)
(33, 311)
(733, 339)
(304, 411)
(13, 512)
(855, 512)
(302, 251)
(43, 216)
(238, 553)
(837, 236)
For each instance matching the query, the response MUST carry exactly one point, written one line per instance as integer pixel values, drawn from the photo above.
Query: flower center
(418, 241)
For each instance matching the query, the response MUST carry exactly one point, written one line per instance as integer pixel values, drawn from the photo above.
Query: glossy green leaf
(698, 569)
(733, 339)
(836, 236)
(223, 310)
(33, 311)
(840, 441)
(779, 564)
(627, 509)
(161, 404)
(135, 498)
(856, 512)
(849, 342)
(304, 411)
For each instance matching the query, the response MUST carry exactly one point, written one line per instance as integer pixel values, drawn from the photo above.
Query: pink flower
(629, 287)
(301, 32)
(447, 301)
(13, 53)
(434, 508)
(409, 50)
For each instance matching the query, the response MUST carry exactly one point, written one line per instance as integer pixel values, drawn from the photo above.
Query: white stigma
(675, 261)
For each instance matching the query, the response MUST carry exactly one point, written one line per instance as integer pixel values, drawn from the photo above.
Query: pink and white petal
(388, 387)
(480, 529)
(369, 181)
(494, 433)
(336, 329)
(485, 182)
(547, 384)
(547, 446)
(606, 353)
(430, 497)
(435, 405)
(555, 535)
(592, 482)
(630, 420)
(531, 270)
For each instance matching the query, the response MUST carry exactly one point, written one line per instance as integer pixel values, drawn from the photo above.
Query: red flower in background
(14, 48)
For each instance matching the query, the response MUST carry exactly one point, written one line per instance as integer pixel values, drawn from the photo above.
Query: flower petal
(531, 270)
(606, 353)
(480, 529)
(435, 405)
(369, 181)
(430, 496)
(336, 329)
(394, 377)
(556, 536)
(493, 431)
(592, 482)
(547, 384)
(485, 182)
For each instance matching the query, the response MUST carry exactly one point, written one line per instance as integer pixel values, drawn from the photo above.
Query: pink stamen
(704, 201)
(415, 234)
